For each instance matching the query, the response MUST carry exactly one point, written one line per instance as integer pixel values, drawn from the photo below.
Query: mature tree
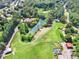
(23, 28)
(70, 30)
(74, 18)
(28, 37)
(8, 30)
(76, 43)
(2, 46)
(28, 10)
(63, 19)
(68, 38)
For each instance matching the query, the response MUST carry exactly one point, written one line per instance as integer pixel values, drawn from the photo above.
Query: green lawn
(44, 13)
(41, 50)
(54, 33)
(29, 51)
(1, 36)
(0, 33)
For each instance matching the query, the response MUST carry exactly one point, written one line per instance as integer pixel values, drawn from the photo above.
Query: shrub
(28, 37)
(23, 28)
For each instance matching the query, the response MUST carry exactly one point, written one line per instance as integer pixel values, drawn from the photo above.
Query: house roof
(29, 19)
(69, 45)
(2, 5)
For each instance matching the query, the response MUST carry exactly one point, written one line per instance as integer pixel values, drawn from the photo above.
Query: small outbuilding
(29, 19)
(69, 45)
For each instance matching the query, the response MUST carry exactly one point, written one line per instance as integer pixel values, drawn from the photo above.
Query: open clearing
(42, 50)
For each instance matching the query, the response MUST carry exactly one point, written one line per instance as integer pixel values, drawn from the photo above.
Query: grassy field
(54, 34)
(44, 13)
(29, 51)
(1, 36)
(41, 50)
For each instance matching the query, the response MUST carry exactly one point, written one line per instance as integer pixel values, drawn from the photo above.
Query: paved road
(60, 57)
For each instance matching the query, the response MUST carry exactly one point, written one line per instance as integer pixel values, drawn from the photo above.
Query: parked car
(59, 51)
(55, 51)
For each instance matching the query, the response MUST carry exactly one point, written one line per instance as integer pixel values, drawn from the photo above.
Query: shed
(69, 45)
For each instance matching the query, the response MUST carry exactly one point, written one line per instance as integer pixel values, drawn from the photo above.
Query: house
(69, 45)
(29, 20)
(2, 5)
(57, 20)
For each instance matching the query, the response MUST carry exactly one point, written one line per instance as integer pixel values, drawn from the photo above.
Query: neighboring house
(2, 5)
(8, 1)
(29, 20)
(2, 16)
(21, 3)
(57, 20)
(69, 45)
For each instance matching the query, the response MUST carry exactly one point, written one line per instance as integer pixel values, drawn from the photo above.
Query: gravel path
(40, 33)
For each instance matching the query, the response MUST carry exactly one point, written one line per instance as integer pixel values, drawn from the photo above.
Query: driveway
(66, 53)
